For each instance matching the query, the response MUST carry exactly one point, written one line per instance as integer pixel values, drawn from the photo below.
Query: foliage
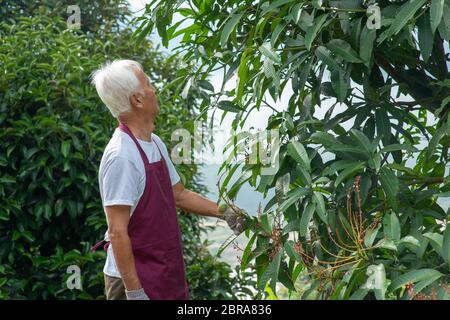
(54, 130)
(98, 17)
(356, 208)
(221, 282)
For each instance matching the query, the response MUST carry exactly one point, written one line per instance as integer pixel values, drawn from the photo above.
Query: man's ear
(136, 100)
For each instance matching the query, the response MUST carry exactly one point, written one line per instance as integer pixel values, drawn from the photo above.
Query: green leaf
(350, 170)
(27, 235)
(375, 162)
(229, 27)
(404, 15)
(367, 39)
(324, 54)
(276, 33)
(243, 73)
(425, 34)
(436, 241)
(401, 168)
(340, 82)
(304, 73)
(320, 206)
(289, 248)
(270, 294)
(265, 224)
(4, 215)
(206, 85)
(298, 152)
(435, 141)
(444, 26)
(446, 245)
(65, 147)
(387, 244)
(344, 50)
(448, 123)
(359, 294)
(323, 138)
(271, 272)
(247, 251)
(389, 183)
(346, 4)
(419, 286)
(274, 5)
(397, 147)
(7, 179)
(370, 236)
(436, 10)
(412, 243)
(306, 218)
(313, 30)
(228, 106)
(140, 35)
(267, 50)
(187, 87)
(391, 227)
(292, 197)
(226, 243)
(269, 70)
(362, 140)
(413, 277)
(383, 125)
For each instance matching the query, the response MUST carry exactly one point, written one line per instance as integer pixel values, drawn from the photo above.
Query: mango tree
(358, 209)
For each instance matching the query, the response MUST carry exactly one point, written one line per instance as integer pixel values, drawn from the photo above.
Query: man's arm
(193, 202)
(118, 217)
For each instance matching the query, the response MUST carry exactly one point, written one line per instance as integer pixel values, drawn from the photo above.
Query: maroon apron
(155, 234)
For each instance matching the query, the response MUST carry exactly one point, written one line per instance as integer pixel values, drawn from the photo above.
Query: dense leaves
(359, 208)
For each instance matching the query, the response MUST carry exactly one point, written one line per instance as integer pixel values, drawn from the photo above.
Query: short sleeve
(174, 176)
(120, 180)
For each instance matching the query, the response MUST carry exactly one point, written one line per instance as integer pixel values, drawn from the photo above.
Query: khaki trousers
(114, 288)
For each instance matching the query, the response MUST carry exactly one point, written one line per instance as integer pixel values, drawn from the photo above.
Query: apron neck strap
(125, 129)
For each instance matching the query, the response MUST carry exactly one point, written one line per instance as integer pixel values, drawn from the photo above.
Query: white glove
(236, 219)
(138, 294)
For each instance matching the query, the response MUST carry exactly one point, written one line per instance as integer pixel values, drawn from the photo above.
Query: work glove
(235, 217)
(138, 294)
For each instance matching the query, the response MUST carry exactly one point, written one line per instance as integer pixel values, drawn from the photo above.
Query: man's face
(150, 106)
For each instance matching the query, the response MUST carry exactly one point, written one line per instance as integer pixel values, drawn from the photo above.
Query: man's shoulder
(120, 147)
(159, 141)
(157, 138)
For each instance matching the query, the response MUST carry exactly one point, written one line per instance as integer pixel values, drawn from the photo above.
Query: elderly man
(140, 190)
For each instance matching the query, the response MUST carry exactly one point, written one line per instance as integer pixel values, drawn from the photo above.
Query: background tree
(356, 212)
(54, 129)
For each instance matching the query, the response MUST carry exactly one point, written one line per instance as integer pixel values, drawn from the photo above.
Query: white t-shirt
(122, 177)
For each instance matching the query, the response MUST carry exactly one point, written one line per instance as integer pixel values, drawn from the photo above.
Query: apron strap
(124, 128)
(98, 244)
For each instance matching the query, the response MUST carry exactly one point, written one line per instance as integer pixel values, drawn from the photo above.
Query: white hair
(115, 82)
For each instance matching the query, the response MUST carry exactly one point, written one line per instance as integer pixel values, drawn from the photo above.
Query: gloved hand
(235, 217)
(138, 294)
